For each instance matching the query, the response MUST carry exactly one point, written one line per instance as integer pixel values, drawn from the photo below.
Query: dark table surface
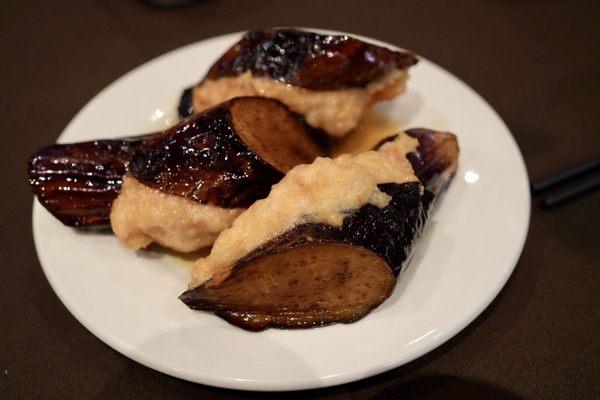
(536, 62)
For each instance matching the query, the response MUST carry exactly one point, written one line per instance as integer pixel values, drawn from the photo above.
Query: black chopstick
(565, 175)
(571, 192)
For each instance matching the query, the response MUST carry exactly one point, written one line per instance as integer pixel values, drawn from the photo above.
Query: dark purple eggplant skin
(204, 160)
(435, 158)
(185, 108)
(309, 60)
(436, 155)
(78, 182)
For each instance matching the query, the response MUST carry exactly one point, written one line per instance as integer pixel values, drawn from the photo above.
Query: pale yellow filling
(335, 111)
(322, 192)
(142, 215)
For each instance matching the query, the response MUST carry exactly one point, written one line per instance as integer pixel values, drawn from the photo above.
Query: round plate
(468, 250)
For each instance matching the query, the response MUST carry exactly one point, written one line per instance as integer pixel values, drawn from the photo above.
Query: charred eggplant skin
(203, 159)
(435, 159)
(78, 182)
(309, 60)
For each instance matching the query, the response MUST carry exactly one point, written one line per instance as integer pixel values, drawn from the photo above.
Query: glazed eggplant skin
(78, 182)
(204, 158)
(309, 60)
(387, 233)
(435, 158)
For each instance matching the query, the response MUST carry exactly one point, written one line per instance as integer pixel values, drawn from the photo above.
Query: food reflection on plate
(312, 203)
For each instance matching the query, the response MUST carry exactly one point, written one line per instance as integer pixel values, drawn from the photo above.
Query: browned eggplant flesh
(311, 284)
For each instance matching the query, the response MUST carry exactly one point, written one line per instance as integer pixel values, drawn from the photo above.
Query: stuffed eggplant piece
(328, 79)
(187, 184)
(327, 244)
(78, 182)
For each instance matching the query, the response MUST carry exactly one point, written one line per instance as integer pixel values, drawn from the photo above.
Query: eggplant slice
(324, 282)
(328, 79)
(220, 161)
(314, 273)
(78, 182)
(189, 183)
(229, 155)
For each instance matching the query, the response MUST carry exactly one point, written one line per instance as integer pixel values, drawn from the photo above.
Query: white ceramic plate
(468, 250)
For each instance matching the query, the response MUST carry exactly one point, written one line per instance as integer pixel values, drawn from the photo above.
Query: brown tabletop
(536, 62)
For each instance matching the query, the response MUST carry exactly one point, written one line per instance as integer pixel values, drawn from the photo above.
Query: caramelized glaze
(309, 60)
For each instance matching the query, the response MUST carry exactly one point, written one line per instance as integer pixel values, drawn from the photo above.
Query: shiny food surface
(78, 182)
(205, 157)
(309, 60)
(309, 285)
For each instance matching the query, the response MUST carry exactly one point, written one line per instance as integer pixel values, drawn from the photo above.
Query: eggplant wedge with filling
(328, 79)
(181, 187)
(328, 242)
(188, 183)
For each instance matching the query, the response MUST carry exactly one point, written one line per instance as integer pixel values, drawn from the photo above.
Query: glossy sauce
(372, 128)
